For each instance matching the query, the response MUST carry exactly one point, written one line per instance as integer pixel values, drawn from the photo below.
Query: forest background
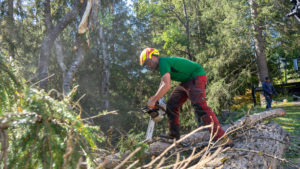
(238, 42)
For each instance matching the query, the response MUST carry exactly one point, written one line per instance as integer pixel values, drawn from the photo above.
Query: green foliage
(218, 35)
(132, 141)
(42, 131)
(8, 85)
(173, 38)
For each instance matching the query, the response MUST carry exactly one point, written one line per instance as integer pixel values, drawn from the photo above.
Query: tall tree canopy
(238, 42)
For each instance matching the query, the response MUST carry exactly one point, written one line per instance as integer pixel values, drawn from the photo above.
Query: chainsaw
(156, 114)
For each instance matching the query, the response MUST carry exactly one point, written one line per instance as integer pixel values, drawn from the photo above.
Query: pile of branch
(256, 145)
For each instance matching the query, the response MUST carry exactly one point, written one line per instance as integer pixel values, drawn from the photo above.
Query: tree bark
(94, 18)
(49, 40)
(106, 69)
(267, 138)
(68, 74)
(187, 30)
(259, 43)
(60, 56)
(11, 28)
(199, 25)
(74, 66)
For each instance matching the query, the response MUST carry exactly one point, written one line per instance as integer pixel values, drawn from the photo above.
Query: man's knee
(199, 110)
(172, 105)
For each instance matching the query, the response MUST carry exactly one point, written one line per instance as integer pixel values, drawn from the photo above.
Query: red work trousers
(193, 89)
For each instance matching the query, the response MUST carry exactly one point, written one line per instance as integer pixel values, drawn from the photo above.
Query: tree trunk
(106, 69)
(74, 66)
(68, 74)
(199, 25)
(187, 31)
(49, 40)
(11, 28)
(94, 18)
(259, 43)
(268, 139)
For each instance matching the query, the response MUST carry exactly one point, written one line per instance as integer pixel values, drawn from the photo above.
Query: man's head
(149, 58)
(267, 79)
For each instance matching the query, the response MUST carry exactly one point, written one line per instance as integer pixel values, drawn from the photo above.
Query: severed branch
(175, 143)
(83, 26)
(159, 148)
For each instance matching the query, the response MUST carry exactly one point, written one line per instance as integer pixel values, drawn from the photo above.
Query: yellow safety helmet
(147, 54)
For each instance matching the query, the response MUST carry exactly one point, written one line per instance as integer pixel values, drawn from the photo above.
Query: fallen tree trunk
(262, 146)
(264, 138)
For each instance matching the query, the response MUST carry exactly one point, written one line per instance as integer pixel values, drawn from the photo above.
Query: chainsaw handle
(160, 107)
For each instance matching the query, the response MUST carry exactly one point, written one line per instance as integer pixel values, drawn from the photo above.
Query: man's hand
(164, 86)
(151, 102)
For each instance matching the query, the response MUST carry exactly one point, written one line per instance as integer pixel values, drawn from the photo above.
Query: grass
(290, 122)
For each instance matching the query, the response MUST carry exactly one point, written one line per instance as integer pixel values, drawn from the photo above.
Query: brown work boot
(174, 131)
(225, 141)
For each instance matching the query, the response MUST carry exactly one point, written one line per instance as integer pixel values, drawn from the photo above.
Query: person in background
(253, 94)
(268, 91)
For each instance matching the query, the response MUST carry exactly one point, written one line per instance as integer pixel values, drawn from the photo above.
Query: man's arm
(273, 90)
(265, 88)
(164, 87)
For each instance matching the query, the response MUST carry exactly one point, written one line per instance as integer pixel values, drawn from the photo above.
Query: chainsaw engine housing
(157, 113)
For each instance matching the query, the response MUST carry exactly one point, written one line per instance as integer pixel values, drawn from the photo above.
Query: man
(193, 80)
(269, 91)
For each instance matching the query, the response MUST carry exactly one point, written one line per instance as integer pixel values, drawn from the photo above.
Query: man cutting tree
(193, 80)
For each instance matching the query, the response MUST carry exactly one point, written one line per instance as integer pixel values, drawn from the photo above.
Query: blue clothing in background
(269, 91)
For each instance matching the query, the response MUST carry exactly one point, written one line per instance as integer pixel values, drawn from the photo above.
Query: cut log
(265, 138)
(260, 147)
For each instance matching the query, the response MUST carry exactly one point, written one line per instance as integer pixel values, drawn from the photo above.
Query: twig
(58, 94)
(81, 98)
(127, 158)
(160, 163)
(189, 159)
(42, 80)
(212, 136)
(79, 163)
(173, 145)
(99, 115)
(177, 160)
(133, 164)
(204, 161)
(180, 164)
(269, 155)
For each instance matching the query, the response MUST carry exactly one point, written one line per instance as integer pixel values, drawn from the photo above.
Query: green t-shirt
(180, 69)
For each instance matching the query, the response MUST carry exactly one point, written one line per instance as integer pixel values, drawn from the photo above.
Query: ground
(291, 123)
